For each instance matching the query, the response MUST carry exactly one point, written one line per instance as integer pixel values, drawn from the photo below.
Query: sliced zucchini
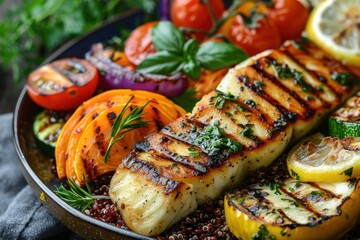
(47, 127)
(345, 122)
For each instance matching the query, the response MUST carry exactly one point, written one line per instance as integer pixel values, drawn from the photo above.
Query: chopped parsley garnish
(294, 174)
(259, 84)
(348, 172)
(262, 234)
(213, 141)
(275, 187)
(221, 98)
(316, 193)
(242, 108)
(284, 72)
(193, 152)
(320, 87)
(293, 202)
(342, 78)
(249, 133)
(251, 103)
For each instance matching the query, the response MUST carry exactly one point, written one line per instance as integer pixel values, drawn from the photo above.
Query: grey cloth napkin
(22, 215)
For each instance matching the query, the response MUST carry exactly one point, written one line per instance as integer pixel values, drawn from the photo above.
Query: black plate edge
(38, 186)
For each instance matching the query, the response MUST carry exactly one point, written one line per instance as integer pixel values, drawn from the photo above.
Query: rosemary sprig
(77, 197)
(124, 124)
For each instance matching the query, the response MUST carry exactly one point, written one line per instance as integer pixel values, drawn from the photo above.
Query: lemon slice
(325, 159)
(334, 26)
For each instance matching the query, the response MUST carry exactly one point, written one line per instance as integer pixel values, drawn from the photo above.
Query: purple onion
(164, 9)
(114, 76)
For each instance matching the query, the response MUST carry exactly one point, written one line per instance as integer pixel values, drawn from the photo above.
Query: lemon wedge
(334, 26)
(325, 159)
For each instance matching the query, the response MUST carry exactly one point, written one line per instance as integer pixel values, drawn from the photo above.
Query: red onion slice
(114, 76)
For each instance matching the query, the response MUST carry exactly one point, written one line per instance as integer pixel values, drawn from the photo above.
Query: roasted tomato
(195, 14)
(289, 17)
(139, 44)
(63, 84)
(252, 30)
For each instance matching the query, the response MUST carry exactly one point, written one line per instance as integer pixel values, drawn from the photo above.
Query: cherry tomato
(255, 33)
(289, 17)
(195, 14)
(63, 85)
(139, 44)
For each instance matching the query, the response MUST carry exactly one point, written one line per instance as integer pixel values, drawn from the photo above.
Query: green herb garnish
(76, 196)
(221, 98)
(262, 234)
(342, 78)
(284, 72)
(275, 187)
(293, 202)
(213, 141)
(175, 54)
(193, 152)
(124, 124)
(348, 172)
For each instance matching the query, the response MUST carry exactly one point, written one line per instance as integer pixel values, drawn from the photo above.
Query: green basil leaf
(192, 69)
(191, 47)
(216, 55)
(161, 63)
(166, 37)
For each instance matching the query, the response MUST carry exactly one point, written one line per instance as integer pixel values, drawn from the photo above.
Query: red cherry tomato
(289, 17)
(63, 85)
(255, 34)
(139, 44)
(195, 14)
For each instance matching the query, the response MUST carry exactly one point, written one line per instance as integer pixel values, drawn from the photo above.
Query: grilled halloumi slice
(293, 210)
(245, 124)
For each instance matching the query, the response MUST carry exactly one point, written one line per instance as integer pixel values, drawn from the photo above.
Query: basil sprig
(174, 53)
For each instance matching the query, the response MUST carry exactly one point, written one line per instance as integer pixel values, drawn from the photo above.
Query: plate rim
(25, 166)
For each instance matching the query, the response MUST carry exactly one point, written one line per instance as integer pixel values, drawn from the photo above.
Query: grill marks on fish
(320, 66)
(150, 172)
(272, 92)
(268, 101)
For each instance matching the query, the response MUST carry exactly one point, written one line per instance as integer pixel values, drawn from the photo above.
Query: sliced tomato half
(63, 84)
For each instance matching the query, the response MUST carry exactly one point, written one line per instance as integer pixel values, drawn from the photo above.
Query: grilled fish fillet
(259, 107)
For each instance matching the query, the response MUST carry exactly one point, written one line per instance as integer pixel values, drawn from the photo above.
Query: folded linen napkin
(22, 215)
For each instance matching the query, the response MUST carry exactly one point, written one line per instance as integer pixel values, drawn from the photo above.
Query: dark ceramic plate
(37, 167)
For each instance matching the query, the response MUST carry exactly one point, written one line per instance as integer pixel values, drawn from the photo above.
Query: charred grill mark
(305, 201)
(111, 116)
(286, 116)
(175, 169)
(162, 147)
(189, 131)
(316, 91)
(159, 124)
(109, 103)
(95, 115)
(83, 114)
(142, 146)
(213, 113)
(136, 165)
(331, 65)
(100, 143)
(294, 53)
(260, 69)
